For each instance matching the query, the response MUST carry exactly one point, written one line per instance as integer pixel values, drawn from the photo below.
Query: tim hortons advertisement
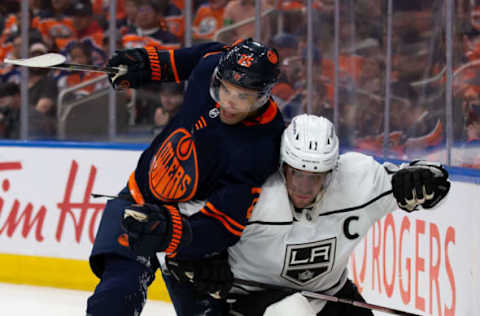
(426, 262)
(46, 208)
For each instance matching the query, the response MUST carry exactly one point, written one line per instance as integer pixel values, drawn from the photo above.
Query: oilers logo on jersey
(306, 262)
(173, 173)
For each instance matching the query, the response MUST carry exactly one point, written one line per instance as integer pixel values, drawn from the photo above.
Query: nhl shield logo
(307, 262)
(214, 113)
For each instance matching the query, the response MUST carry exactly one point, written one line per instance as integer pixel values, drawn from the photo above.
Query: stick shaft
(88, 68)
(325, 297)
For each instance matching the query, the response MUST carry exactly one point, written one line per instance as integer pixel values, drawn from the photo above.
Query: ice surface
(25, 300)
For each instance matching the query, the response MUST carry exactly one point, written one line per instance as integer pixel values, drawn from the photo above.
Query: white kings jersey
(310, 249)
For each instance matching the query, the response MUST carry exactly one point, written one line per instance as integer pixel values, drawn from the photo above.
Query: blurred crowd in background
(413, 125)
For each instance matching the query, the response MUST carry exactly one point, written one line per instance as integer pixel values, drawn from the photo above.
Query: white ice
(25, 300)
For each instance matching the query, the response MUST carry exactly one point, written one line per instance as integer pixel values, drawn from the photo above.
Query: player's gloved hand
(138, 73)
(153, 228)
(421, 183)
(211, 275)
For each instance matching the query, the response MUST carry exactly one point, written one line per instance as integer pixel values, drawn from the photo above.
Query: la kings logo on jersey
(306, 262)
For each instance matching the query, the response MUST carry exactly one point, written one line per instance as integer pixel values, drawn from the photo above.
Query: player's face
(303, 186)
(235, 102)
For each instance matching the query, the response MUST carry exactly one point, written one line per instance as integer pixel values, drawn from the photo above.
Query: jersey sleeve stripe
(174, 66)
(203, 120)
(212, 208)
(223, 221)
(134, 190)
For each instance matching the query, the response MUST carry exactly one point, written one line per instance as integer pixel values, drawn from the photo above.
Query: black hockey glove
(211, 275)
(152, 228)
(421, 183)
(139, 69)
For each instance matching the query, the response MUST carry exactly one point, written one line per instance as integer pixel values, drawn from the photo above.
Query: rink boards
(427, 262)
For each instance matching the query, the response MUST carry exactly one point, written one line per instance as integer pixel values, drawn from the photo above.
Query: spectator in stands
(320, 105)
(10, 40)
(128, 22)
(298, 103)
(239, 10)
(9, 110)
(469, 153)
(86, 30)
(12, 49)
(101, 11)
(172, 16)
(106, 42)
(317, 69)
(371, 75)
(287, 47)
(55, 25)
(147, 31)
(42, 92)
(208, 20)
(171, 98)
(8, 19)
(8, 72)
(473, 127)
(80, 53)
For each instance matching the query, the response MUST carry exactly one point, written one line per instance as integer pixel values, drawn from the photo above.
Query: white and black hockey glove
(420, 183)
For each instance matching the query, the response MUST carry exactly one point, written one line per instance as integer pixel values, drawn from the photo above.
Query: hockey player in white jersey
(314, 211)
(307, 221)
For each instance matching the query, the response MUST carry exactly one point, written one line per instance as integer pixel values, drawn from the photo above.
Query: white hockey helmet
(309, 143)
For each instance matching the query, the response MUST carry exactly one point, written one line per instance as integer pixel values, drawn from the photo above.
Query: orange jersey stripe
(211, 53)
(214, 210)
(134, 190)
(256, 190)
(174, 67)
(225, 224)
(265, 117)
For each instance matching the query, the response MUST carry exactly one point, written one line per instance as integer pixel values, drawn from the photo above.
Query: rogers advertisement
(426, 262)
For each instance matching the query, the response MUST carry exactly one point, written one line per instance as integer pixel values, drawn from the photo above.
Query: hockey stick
(57, 61)
(324, 297)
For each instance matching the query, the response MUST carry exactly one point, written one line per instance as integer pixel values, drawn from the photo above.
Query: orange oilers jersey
(196, 157)
(207, 22)
(160, 39)
(10, 26)
(175, 21)
(179, 4)
(57, 30)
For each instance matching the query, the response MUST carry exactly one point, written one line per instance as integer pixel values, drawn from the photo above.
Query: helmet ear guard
(309, 143)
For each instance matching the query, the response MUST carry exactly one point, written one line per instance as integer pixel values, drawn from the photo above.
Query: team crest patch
(173, 173)
(307, 262)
